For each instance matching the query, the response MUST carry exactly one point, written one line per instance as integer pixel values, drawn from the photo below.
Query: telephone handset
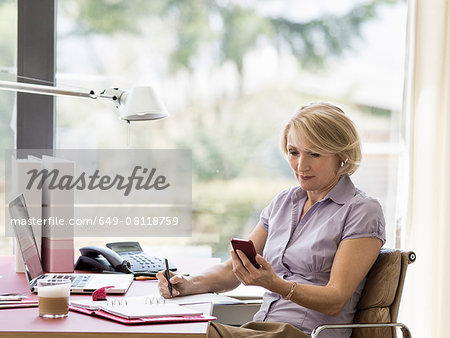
(96, 258)
(125, 257)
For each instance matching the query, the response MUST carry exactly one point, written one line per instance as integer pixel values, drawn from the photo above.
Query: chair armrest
(405, 331)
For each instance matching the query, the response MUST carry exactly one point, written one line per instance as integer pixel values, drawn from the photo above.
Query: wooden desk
(25, 322)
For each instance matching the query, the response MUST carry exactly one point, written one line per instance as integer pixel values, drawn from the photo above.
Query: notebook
(137, 307)
(81, 283)
(146, 320)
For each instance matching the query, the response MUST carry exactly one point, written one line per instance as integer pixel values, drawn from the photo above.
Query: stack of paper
(57, 241)
(16, 301)
(33, 197)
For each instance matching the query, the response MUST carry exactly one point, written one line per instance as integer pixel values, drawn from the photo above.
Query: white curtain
(426, 299)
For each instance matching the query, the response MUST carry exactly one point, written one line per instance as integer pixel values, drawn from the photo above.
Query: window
(8, 44)
(231, 75)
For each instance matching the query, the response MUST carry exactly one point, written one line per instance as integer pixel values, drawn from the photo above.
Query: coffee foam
(53, 291)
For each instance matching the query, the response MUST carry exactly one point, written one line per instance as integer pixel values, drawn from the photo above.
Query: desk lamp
(140, 104)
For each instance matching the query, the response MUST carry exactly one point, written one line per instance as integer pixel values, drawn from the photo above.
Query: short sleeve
(365, 219)
(264, 217)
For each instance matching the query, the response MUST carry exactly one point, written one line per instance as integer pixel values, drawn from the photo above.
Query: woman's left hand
(247, 274)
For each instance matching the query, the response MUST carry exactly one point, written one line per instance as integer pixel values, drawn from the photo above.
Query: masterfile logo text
(97, 192)
(148, 180)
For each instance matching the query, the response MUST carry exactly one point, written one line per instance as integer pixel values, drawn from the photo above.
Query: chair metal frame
(404, 329)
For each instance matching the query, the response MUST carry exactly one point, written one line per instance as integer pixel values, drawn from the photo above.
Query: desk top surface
(27, 320)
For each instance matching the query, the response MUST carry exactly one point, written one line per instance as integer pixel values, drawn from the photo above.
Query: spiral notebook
(137, 307)
(147, 320)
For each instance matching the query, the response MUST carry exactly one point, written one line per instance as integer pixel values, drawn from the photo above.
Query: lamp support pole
(45, 90)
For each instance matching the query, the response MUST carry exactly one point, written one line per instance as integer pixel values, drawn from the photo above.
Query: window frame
(36, 48)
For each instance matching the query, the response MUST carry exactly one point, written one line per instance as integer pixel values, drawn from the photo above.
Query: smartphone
(247, 247)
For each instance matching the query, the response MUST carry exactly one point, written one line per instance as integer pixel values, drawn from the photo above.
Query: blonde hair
(329, 131)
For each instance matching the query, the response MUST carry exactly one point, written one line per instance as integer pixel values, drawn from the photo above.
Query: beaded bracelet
(291, 291)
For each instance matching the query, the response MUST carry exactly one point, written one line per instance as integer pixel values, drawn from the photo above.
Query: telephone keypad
(141, 262)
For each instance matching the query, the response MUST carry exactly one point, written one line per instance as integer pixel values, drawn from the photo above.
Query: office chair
(377, 309)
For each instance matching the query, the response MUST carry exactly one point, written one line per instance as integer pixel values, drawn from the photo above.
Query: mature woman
(315, 242)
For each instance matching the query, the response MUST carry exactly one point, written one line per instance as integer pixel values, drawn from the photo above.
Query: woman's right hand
(181, 285)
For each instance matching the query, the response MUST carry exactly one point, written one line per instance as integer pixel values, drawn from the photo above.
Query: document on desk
(140, 310)
(136, 307)
(203, 298)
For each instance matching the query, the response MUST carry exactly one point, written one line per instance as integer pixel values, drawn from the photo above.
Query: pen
(166, 262)
(144, 278)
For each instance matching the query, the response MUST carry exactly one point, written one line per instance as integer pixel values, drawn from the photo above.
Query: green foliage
(236, 29)
(242, 28)
(8, 27)
(231, 208)
(193, 31)
(222, 145)
(110, 16)
(376, 111)
(219, 153)
(314, 41)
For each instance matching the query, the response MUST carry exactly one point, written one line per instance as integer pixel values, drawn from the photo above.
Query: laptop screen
(25, 237)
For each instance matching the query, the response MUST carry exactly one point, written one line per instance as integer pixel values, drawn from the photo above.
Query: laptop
(81, 283)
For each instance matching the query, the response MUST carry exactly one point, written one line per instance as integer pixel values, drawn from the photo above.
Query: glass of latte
(53, 297)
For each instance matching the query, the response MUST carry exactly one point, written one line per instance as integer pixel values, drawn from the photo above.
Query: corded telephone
(126, 257)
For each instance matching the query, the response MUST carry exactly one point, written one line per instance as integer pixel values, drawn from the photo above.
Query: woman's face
(316, 173)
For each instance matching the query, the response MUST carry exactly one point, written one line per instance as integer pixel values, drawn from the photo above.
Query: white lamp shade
(142, 104)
